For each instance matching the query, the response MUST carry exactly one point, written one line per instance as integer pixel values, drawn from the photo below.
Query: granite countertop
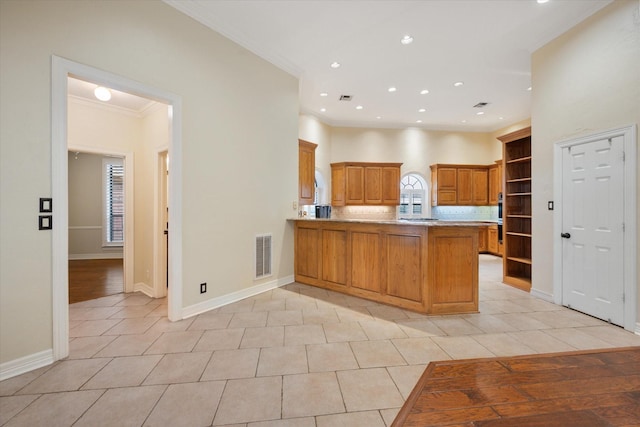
(425, 223)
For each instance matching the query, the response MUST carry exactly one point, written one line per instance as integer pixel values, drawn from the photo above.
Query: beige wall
(584, 82)
(85, 208)
(239, 139)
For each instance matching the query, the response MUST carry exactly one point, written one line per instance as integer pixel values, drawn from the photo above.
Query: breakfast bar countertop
(420, 222)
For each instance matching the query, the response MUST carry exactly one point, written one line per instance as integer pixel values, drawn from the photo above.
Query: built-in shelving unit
(517, 208)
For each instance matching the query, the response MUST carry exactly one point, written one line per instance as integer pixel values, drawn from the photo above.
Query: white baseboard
(76, 257)
(204, 306)
(144, 288)
(25, 364)
(546, 296)
(637, 331)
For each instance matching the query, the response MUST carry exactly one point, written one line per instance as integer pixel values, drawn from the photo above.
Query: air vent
(345, 97)
(263, 255)
(481, 105)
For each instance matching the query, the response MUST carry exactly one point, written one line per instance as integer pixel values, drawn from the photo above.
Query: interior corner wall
(584, 82)
(239, 146)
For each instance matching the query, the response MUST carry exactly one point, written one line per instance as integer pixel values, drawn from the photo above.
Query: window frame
(107, 202)
(409, 190)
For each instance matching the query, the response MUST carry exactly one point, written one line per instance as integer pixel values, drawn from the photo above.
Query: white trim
(107, 160)
(85, 227)
(545, 296)
(144, 288)
(630, 284)
(210, 304)
(24, 364)
(637, 330)
(60, 70)
(159, 282)
(78, 257)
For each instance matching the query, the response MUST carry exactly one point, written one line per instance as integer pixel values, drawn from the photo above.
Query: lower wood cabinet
(482, 239)
(431, 270)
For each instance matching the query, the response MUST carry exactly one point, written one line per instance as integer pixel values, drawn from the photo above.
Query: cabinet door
(338, 186)
(480, 190)
(373, 185)
(447, 178)
(494, 185)
(465, 186)
(444, 187)
(391, 185)
(354, 185)
(492, 239)
(306, 172)
(482, 239)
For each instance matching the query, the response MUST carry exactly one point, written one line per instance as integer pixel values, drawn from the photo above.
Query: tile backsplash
(382, 213)
(479, 213)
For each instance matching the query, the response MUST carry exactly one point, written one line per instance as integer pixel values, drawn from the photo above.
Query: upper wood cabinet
(365, 184)
(495, 182)
(462, 185)
(306, 172)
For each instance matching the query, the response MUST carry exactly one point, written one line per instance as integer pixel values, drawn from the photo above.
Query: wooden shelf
(520, 260)
(519, 160)
(517, 264)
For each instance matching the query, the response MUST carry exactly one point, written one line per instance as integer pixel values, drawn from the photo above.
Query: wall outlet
(294, 205)
(203, 287)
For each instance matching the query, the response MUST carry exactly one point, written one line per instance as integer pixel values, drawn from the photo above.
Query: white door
(592, 228)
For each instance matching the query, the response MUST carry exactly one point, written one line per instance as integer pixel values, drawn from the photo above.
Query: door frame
(630, 218)
(61, 68)
(129, 243)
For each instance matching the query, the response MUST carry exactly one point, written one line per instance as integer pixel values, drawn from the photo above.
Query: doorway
(595, 226)
(61, 70)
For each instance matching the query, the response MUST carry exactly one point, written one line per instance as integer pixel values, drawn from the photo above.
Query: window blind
(114, 203)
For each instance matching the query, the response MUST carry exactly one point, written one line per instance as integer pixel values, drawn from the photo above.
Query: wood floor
(585, 389)
(94, 278)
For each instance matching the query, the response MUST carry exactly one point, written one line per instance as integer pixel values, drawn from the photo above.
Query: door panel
(593, 203)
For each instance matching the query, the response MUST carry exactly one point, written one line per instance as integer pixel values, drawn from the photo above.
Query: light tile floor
(293, 356)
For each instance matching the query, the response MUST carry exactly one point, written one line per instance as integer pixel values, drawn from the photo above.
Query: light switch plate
(46, 204)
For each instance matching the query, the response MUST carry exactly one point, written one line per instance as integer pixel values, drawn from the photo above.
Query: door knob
(565, 235)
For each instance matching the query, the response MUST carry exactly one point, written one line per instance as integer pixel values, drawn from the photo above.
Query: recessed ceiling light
(335, 64)
(418, 121)
(479, 113)
(529, 89)
(323, 109)
(542, 1)
(407, 39)
(392, 89)
(378, 117)
(422, 110)
(102, 93)
(500, 118)
(463, 121)
(359, 107)
(324, 94)
(458, 84)
(424, 92)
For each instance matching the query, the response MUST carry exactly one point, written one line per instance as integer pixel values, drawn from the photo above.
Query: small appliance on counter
(323, 211)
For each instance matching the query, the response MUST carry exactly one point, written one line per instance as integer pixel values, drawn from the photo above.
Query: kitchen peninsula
(429, 267)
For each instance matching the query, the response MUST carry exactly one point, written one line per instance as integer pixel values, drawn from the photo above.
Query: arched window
(319, 196)
(413, 190)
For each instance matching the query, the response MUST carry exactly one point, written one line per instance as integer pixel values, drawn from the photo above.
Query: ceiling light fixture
(359, 107)
(543, 1)
(102, 93)
(335, 64)
(407, 39)
(422, 110)
(418, 121)
(392, 89)
(458, 84)
(479, 113)
(529, 89)
(378, 117)
(323, 110)
(324, 94)
(424, 92)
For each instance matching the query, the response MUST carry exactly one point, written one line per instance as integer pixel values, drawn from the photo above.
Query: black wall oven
(500, 217)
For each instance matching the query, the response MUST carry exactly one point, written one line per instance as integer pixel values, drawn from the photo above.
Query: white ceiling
(121, 100)
(487, 44)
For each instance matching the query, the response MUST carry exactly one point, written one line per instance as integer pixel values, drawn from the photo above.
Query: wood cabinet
(517, 213)
(306, 172)
(461, 185)
(492, 239)
(365, 184)
(482, 239)
(495, 183)
(428, 269)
